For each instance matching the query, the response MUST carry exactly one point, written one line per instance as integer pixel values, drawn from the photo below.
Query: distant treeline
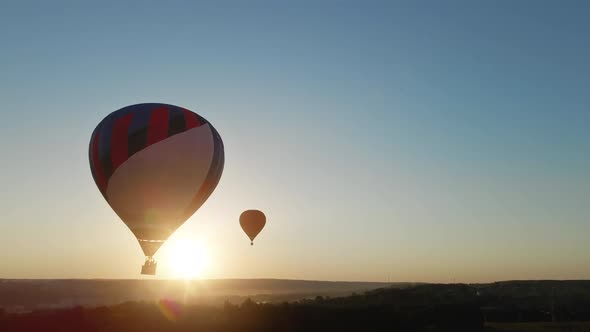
(534, 301)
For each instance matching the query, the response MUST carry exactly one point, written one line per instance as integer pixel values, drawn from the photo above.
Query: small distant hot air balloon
(155, 164)
(252, 222)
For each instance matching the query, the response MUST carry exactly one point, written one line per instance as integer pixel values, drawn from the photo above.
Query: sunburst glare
(186, 259)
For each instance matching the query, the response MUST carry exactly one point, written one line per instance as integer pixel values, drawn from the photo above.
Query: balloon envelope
(155, 164)
(252, 222)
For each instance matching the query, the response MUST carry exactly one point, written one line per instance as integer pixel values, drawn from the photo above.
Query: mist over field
(27, 295)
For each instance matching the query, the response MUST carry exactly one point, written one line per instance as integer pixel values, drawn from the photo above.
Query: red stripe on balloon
(98, 173)
(119, 140)
(191, 119)
(158, 127)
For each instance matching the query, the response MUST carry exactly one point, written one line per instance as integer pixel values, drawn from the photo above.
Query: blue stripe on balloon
(137, 132)
(141, 118)
(176, 123)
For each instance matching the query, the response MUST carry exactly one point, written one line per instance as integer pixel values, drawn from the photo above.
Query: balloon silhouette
(155, 164)
(252, 222)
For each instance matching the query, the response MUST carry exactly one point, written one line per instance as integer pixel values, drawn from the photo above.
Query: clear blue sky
(418, 140)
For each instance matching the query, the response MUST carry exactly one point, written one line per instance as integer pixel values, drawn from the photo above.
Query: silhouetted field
(370, 311)
(539, 327)
(508, 306)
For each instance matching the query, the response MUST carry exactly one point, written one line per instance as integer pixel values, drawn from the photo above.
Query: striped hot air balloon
(155, 164)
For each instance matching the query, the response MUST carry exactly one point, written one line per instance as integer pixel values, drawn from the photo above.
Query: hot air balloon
(155, 164)
(252, 222)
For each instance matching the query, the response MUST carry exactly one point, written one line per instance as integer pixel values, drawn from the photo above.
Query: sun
(186, 259)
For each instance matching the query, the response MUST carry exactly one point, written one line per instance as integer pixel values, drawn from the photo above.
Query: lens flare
(171, 309)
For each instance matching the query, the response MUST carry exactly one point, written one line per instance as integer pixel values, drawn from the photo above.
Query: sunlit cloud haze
(402, 141)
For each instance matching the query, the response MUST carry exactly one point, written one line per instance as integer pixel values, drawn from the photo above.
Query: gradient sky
(410, 141)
